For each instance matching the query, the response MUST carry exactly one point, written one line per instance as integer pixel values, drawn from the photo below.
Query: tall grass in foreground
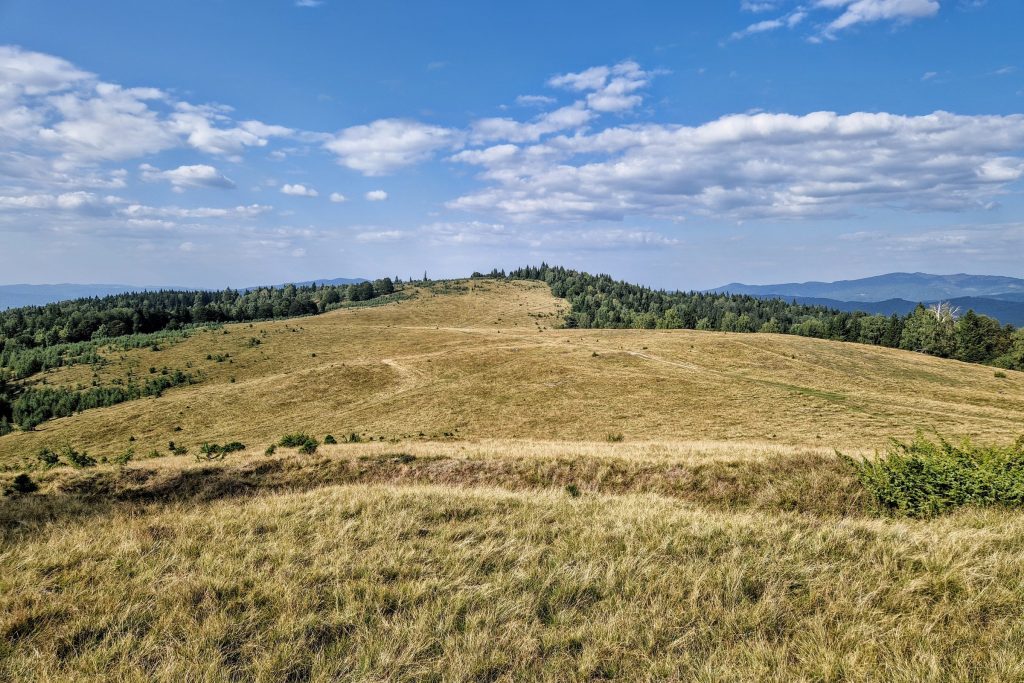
(381, 583)
(924, 478)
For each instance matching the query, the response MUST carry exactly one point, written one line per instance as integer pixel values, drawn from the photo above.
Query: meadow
(507, 500)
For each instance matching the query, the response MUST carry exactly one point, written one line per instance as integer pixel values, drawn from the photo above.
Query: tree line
(598, 301)
(36, 338)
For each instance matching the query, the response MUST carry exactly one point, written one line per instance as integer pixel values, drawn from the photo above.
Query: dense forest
(36, 338)
(599, 301)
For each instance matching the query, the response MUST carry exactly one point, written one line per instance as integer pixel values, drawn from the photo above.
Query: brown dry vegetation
(487, 363)
(721, 539)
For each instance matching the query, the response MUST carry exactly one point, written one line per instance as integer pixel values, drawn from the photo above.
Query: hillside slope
(484, 359)
(492, 530)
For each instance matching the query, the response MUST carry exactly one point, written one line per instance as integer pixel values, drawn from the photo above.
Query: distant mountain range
(999, 297)
(13, 296)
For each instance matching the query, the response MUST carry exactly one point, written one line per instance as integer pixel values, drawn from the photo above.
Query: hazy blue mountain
(908, 286)
(1005, 311)
(305, 283)
(14, 296)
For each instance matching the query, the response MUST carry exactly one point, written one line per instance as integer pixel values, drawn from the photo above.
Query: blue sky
(691, 144)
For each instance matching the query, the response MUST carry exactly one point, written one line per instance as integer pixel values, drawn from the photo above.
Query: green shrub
(330, 440)
(304, 442)
(924, 478)
(23, 484)
(271, 449)
(77, 459)
(48, 457)
(353, 438)
(125, 457)
(616, 438)
(213, 451)
(210, 451)
(294, 440)
(573, 490)
(1000, 374)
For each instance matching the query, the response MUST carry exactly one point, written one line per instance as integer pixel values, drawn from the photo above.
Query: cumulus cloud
(866, 11)
(197, 175)
(51, 110)
(376, 196)
(35, 73)
(68, 201)
(755, 166)
(790, 20)
(836, 15)
(609, 88)
(338, 197)
(298, 190)
(572, 116)
(386, 145)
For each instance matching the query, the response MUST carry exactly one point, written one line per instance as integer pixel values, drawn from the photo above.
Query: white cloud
(376, 196)
(386, 145)
(535, 100)
(144, 211)
(755, 166)
(867, 11)
(498, 234)
(308, 3)
(380, 236)
(35, 73)
(790, 20)
(572, 116)
(844, 14)
(67, 201)
(198, 175)
(983, 242)
(53, 111)
(609, 88)
(758, 7)
(298, 190)
(338, 197)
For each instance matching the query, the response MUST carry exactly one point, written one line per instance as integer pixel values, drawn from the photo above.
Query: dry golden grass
(374, 583)
(721, 539)
(486, 364)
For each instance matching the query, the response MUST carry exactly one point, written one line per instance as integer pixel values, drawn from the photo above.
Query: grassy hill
(524, 502)
(486, 360)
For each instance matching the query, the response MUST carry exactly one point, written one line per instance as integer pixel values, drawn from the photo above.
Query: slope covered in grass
(523, 503)
(440, 583)
(485, 359)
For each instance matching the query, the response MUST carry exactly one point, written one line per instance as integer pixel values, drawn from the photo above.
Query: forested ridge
(598, 301)
(36, 338)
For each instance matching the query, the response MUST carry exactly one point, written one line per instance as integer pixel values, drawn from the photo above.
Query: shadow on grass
(807, 483)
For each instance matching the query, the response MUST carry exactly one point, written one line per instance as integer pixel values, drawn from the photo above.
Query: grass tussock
(924, 478)
(434, 583)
